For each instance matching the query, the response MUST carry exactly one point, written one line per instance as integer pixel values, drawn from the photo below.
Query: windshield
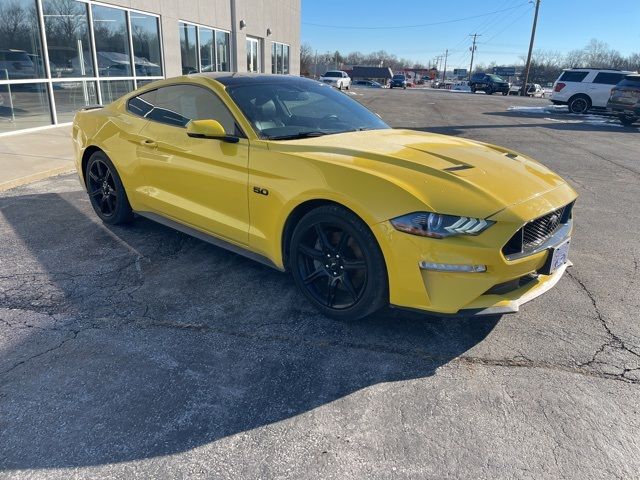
(398, 77)
(495, 78)
(333, 74)
(287, 110)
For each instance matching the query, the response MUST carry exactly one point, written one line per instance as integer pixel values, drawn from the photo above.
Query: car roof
(233, 79)
(591, 69)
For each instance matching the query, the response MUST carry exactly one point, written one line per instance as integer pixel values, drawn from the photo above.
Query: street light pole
(533, 36)
(473, 51)
(444, 70)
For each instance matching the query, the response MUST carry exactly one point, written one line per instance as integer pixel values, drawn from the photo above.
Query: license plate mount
(557, 257)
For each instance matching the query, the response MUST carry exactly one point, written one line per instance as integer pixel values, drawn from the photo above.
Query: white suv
(583, 88)
(336, 78)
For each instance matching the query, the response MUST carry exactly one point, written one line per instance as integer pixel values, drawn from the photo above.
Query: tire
(106, 192)
(404, 87)
(473, 90)
(347, 87)
(489, 91)
(352, 284)
(504, 94)
(340, 86)
(390, 87)
(579, 104)
(627, 121)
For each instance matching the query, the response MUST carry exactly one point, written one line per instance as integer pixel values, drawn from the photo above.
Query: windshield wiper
(309, 134)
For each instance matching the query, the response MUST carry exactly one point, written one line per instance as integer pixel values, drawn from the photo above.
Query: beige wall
(281, 16)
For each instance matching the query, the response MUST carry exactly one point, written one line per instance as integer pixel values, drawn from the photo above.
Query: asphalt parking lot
(139, 352)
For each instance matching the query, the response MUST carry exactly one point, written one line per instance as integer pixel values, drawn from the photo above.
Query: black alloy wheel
(107, 195)
(337, 264)
(579, 104)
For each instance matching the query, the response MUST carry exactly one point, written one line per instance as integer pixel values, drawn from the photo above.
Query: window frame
(239, 131)
(50, 82)
(215, 31)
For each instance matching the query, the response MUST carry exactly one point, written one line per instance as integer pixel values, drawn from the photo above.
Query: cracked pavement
(139, 352)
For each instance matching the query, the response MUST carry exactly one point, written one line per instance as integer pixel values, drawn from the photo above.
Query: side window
(570, 76)
(608, 78)
(142, 104)
(178, 104)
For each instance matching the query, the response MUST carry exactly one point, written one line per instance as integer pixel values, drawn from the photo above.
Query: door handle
(148, 143)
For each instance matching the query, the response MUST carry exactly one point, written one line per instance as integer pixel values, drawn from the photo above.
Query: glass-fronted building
(57, 56)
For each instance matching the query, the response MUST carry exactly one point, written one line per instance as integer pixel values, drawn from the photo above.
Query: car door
(199, 182)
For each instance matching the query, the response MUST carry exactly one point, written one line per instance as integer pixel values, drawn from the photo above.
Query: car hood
(439, 170)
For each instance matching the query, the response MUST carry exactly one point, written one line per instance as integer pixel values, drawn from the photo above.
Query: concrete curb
(18, 182)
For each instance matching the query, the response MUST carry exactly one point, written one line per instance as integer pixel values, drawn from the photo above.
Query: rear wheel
(337, 264)
(106, 192)
(627, 120)
(579, 104)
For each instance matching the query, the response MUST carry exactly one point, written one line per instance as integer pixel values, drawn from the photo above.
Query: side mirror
(209, 129)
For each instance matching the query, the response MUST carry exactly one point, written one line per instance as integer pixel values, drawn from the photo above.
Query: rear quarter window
(572, 76)
(608, 78)
(630, 82)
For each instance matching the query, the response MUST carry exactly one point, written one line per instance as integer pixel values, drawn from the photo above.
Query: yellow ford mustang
(299, 176)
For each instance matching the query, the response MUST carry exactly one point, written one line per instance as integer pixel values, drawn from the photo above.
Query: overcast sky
(562, 25)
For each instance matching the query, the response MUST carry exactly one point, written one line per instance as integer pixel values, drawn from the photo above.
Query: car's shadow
(133, 342)
(548, 119)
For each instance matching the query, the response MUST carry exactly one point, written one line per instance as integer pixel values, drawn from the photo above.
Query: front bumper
(502, 288)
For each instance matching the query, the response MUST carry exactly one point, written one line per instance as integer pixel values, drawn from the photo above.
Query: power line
(352, 27)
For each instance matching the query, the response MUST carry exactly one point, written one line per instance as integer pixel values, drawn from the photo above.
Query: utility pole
(473, 51)
(533, 36)
(444, 71)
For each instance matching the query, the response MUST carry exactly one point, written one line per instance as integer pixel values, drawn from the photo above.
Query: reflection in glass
(285, 59)
(274, 55)
(112, 43)
(71, 97)
(20, 48)
(222, 51)
(207, 50)
(146, 45)
(67, 30)
(253, 64)
(24, 106)
(114, 89)
(188, 48)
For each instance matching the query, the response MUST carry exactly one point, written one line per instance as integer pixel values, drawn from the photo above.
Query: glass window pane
(274, 54)
(20, 47)
(222, 51)
(285, 60)
(207, 50)
(71, 97)
(188, 48)
(249, 56)
(146, 45)
(67, 28)
(114, 89)
(112, 41)
(280, 57)
(24, 106)
(177, 104)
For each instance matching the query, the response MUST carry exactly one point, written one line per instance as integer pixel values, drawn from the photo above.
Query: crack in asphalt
(614, 340)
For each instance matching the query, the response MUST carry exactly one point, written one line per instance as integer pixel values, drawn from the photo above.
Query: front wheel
(106, 192)
(337, 264)
(504, 94)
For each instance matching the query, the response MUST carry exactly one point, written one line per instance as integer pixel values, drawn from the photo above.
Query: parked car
(336, 78)
(533, 90)
(366, 84)
(16, 65)
(353, 221)
(625, 99)
(583, 88)
(398, 81)
(488, 83)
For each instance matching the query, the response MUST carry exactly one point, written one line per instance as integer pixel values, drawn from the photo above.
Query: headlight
(436, 225)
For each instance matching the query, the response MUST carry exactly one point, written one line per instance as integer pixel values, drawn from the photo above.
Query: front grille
(537, 231)
(511, 285)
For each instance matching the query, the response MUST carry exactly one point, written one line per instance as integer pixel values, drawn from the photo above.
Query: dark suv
(398, 80)
(625, 99)
(488, 84)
